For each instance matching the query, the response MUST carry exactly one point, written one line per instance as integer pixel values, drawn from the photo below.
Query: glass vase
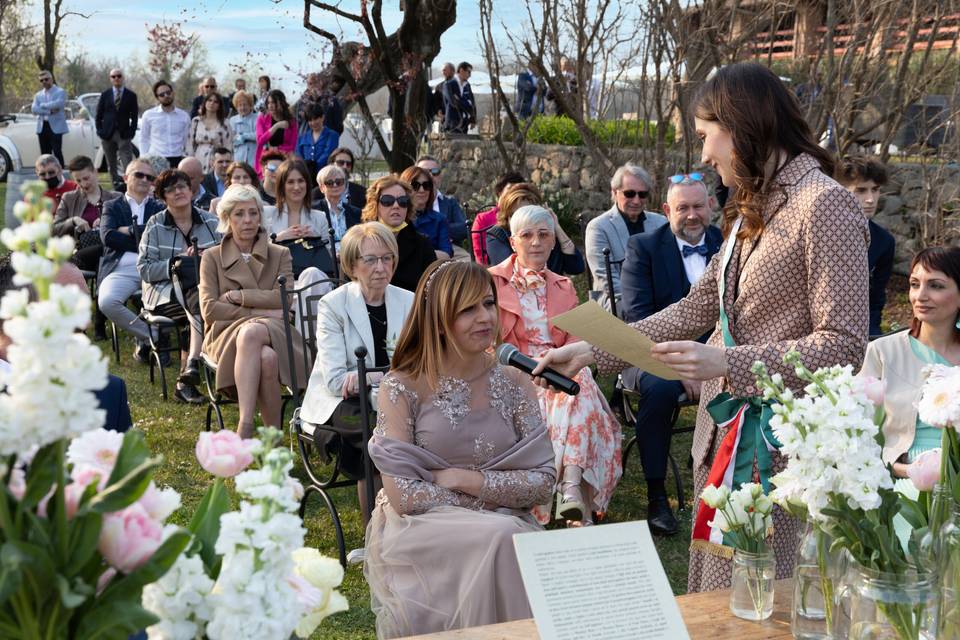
(751, 595)
(949, 571)
(892, 606)
(815, 585)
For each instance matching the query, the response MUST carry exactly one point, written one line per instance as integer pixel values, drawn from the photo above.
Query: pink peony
(873, 388)
(224, 453)
(128, 538)
(925, 470)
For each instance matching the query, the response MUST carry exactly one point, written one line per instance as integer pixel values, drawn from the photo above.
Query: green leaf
(125, 491)
(30, 559)
(75, 595)
(10, 580)
(84, 536)
(133, 453)
(152, 570)
(41, 474)
(114, 619)
(205, 525)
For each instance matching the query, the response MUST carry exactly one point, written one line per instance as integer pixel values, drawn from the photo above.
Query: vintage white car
(18, 136)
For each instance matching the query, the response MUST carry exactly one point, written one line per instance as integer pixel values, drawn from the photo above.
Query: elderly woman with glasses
(368, 311)
(330, 197)
(564, 258)
(241, 308)
(343, 158)
(167, 238)
(389, 201)
(585, 435)
(427, 220)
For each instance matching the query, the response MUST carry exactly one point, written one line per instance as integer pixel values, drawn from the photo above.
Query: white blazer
(342, 326)
(276, 221)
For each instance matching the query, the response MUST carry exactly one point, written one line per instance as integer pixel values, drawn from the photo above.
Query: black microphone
(509, 356)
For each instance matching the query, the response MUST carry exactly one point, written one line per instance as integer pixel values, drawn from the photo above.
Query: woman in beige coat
(240, 305)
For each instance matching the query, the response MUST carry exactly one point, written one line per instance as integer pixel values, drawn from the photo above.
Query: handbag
(88, 239)
(187, 269)
(309, 252)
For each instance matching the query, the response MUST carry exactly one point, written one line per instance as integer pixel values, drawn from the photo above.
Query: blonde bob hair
(234, 195)
(242, 96)
(446, 289)
(352, 243)
(514, 197)
(371, 210)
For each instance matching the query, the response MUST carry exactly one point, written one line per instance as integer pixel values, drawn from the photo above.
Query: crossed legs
(257, 376)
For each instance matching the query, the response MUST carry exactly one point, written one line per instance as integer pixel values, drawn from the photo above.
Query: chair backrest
(608, 272)
(582, 220)
(365, 409)
(304, 300)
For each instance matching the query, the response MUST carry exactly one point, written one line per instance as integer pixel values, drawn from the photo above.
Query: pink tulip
(224, 453)
(873, 388)
(104, 580)
(925, 470)
(128, 538)
(82, 478)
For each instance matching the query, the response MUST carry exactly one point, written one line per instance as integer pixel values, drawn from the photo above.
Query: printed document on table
(592, 323)
(598, 583)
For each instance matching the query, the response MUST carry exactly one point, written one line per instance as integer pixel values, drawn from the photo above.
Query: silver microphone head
(504, 351)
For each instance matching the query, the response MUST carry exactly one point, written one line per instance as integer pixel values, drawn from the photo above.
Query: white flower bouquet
(742, 515)
(82, 525)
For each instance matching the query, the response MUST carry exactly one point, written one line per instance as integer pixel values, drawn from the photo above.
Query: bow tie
(689, 251)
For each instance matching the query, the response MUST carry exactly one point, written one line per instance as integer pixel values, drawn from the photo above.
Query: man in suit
(448, 207)
(215, 182)
(629, 189)
(863, 177)
(659, 269)
(48, 104)
(117, 112)
(201, 197)
(121, 224)
(435, 99)
(460, 109)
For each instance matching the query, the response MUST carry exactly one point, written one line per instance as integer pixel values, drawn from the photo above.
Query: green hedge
(622, 133)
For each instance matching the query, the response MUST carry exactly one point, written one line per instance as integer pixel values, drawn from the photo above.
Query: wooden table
(707, 616)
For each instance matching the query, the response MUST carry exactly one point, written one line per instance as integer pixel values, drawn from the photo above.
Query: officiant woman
(791, 274)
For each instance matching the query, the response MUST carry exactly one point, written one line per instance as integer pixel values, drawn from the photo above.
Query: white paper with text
(604, 582)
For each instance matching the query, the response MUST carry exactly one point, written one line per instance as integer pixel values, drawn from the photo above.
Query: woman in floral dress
(208, 131)
(585, 435)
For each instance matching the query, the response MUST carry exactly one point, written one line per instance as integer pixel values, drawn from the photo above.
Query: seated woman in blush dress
(585, 435)
(464, 456)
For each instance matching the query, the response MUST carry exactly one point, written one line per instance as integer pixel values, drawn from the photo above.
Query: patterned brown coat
(802, 285)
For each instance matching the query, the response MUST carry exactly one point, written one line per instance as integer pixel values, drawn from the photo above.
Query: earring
(957, 323)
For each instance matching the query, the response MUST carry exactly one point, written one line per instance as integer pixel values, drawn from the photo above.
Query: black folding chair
(608, 272)
(582, 220)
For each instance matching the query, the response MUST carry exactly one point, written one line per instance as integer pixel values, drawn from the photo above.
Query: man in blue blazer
(48, 104)
(629, 189)
(117, 112)
(659, 269)
(448, 206)
(460, 109)
(121, 225)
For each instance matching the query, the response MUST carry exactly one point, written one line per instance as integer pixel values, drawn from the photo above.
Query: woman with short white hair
(330, 198)
(585, 435)
(368, 312)
(242, 315)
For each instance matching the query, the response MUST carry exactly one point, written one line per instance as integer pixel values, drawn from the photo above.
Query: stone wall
(471, 165)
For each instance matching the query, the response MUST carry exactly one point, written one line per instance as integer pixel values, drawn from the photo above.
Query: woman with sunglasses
(341, 215)
(791, 275)
(389, 201)
(428, 221)
(209, 130)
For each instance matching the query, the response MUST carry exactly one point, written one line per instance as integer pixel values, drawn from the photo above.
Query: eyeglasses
(180, 186)
(334, 182)
(426, 185)
(389, 201)
(529, 235)
(164, 94)
(140, 175)
(371, 261)
(116, 75)
(435, 171)
(681, 177)
(344, 163)
(630, 194)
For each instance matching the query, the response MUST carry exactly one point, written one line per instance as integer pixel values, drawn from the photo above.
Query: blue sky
(267, 32)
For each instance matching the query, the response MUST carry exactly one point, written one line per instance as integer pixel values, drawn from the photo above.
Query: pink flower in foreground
(128, 538)
(873, 388)
(925, 470)
(224, 453)
(83, 477)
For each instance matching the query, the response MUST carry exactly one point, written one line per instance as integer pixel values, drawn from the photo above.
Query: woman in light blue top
(899, 359)
(244, 126)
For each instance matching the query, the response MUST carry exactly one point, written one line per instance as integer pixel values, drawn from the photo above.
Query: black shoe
(99, 334)
(141, 353)
(189, 394)
(191, 374)
(660, 518)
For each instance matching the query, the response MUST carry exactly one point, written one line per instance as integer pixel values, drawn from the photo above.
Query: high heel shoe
(570, 504)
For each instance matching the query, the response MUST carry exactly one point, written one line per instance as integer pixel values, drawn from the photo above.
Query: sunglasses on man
(388, 201)
(435, 171)
(140, 175)
(630, 194)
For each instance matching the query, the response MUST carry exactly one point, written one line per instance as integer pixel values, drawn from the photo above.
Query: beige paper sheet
(592, 323)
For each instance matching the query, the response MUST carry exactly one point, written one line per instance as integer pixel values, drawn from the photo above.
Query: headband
(426, 287)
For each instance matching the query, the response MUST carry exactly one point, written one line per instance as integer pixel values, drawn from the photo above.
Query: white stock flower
(30, 268)
(180, 600)
(60, 249)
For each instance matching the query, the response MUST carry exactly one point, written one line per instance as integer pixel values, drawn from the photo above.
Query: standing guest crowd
(246, 189)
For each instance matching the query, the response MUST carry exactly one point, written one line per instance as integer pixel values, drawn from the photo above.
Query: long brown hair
(370, 211)
(418, 173)
(945, 260)
(445, 290)
(283, 172)
(763, 117)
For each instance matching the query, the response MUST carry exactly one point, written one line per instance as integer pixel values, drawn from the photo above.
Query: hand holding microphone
(509, 356)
